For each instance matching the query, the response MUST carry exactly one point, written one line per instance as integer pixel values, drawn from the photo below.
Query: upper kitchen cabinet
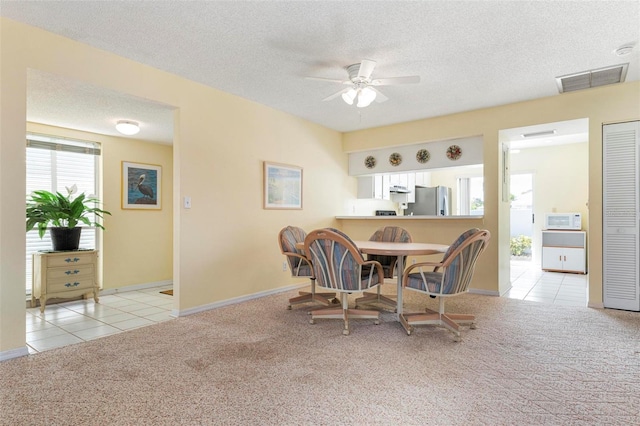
(423, 178)
(406, 181)
(370, 187)
(380, 187)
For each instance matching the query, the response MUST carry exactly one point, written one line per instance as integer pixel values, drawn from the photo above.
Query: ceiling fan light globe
(349, 96)
(366, 96)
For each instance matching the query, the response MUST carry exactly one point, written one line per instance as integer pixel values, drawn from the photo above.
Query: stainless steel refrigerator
(430, 201)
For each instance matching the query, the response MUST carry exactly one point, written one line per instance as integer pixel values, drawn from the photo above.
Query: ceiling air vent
(592, 78)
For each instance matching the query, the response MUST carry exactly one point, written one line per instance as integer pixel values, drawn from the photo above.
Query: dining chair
(385, 234)
(449, 277)
(338, 265)
(300, 267)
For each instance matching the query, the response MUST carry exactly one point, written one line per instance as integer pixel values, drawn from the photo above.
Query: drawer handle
(75, 271)
(75, 284)
(69, 260)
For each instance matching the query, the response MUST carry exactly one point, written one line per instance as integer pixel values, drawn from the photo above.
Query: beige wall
(136, 248)
(138, 244)
(600, 105)
(225, 245)
(560, 183)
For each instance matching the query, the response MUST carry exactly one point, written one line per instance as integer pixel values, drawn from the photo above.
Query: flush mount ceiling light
(538, 134)
(127, 127)
(592, 78)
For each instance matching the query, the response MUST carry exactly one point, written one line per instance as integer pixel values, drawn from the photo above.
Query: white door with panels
(621, 215)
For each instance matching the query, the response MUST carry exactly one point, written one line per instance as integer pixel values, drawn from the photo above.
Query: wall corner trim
(14, 353)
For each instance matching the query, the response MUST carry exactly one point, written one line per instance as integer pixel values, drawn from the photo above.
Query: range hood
(398, 189)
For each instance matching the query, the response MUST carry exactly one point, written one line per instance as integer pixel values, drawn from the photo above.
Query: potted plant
(63, 213)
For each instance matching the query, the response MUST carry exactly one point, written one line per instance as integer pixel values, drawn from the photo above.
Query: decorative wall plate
(454, 152)
(370, 162)
(422, 156)
(395, 159)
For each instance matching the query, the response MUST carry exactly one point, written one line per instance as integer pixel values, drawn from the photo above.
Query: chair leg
(451, 322)
(464, 319)
(312, 296)
(345, 314)
(376, 298)
(306, 297)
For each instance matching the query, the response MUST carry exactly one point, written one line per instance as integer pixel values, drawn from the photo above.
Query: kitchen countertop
(417, 217)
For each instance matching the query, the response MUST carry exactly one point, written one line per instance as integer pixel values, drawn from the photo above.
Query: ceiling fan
(361, 85)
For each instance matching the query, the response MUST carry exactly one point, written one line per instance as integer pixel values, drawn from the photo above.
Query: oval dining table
(400, 250)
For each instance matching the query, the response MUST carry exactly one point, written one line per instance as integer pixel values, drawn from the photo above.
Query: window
(471, 196)
(53, 164)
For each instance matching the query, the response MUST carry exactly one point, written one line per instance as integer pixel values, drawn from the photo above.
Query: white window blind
(53, 164)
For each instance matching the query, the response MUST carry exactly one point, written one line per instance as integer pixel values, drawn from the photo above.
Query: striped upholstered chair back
(298, 264)
(389, 234)
(338, 264)
(453, 274)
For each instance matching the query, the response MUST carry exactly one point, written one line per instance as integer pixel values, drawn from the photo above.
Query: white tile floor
(530, 282)
(81, 320)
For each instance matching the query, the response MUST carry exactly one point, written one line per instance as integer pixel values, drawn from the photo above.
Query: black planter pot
(65, 238)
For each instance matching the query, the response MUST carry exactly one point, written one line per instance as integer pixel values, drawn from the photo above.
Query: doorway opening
(522, 217)
(547, 172)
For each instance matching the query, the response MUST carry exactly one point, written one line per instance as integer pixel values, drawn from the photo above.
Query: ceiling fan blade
(331, 80)
(335, 95)
(379, 96)
(366, 68)
(410, 79)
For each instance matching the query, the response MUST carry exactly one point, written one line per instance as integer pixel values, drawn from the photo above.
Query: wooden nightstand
(64, 274)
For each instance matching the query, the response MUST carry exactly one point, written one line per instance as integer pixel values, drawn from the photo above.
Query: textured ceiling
(73, 104)
(469, 55)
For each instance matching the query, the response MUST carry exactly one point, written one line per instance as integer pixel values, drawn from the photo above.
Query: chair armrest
(434, 265)
(292, 254)
(378, 267)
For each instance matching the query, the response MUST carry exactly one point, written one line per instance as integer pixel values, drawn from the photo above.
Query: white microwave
(566, 221)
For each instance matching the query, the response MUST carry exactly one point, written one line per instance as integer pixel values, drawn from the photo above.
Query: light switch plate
(187, 202)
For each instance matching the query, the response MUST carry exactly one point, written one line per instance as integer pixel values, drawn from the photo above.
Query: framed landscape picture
(282, 186)
(141, 186)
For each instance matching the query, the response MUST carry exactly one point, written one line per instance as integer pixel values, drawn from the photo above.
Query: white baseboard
(115, 290)
(484, 292)
(185, 312)
(13, 353)
(136, 287)
(210, 306)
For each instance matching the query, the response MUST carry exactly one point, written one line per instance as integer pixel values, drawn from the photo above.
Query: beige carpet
(256, 363)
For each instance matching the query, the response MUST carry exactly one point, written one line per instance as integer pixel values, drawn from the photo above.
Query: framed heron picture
(282, 186)
(141, 186)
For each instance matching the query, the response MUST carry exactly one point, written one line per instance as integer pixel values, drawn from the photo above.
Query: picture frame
(141, 186)
(282, 186)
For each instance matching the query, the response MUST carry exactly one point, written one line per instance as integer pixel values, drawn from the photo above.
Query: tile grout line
(143, 305)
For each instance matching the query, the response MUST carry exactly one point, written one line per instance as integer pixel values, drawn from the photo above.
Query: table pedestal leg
(400, 271)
